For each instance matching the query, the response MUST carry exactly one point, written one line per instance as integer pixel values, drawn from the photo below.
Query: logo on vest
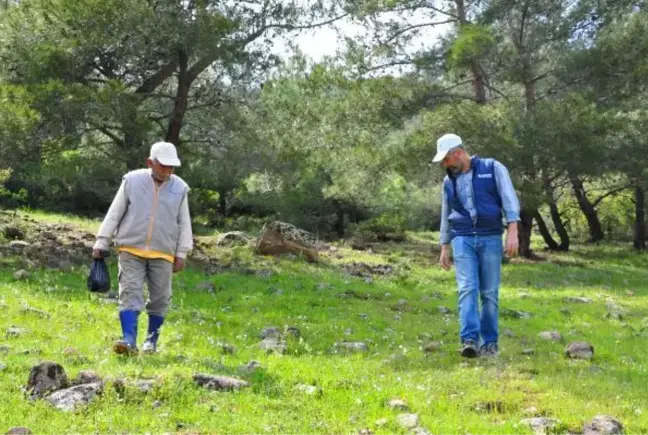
(485, 175)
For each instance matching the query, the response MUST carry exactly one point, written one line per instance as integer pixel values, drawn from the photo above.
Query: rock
(293, 332)
(18, 245)
(156, 404)
(87, 377)
(219, 383)
(420, 431)
(36, 311)
(282, 238)
(145, 385)
(444, 310)
(70, 351)
(399, 404)
(515, 314)
(579, 350)
(382, 422)
(603, 425)
(3, 367)
(250, 367)
(540, 425)
(14, 331)
(270, 331)
(432, 346)
(70, 398)
(348, 332)
(19, 430)
(508, 333)
(4, 349)
(578, 300)
(614, 311)
(352, 346)
(528, 352)
(273, 345)
(45, 378)
(206, 286)
(228, 349)
(550, 335)
(309, 390)
(407, 421)
(21, 274)
(366, 271)
(566, 311)
(233, 238)
(14, 233)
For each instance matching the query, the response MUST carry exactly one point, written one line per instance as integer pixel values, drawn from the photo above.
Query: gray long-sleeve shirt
(510, 203)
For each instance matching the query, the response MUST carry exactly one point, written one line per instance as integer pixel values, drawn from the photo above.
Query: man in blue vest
(477, 194)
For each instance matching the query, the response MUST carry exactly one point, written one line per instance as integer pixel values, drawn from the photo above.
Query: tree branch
(610, 193)
(415, 26)
(158, 78)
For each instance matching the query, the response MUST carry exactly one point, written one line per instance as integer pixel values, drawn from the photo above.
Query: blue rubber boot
(128, 344)
(155, 322)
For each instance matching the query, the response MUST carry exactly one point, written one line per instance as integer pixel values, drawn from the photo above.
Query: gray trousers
(133, 271)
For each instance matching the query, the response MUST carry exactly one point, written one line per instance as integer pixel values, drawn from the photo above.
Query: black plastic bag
(99, 278)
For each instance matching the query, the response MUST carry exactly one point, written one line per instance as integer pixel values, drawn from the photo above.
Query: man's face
(160, 172)
(452, 161)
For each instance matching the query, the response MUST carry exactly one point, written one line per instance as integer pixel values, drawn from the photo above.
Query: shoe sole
(469, 353)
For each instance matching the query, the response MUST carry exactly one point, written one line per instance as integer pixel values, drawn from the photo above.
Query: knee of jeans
(490, 295)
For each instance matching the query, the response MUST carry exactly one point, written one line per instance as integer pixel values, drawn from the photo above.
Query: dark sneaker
(469, 349)
(122, 347)
(488, 349)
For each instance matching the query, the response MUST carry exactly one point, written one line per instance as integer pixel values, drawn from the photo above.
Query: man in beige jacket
(150, 220)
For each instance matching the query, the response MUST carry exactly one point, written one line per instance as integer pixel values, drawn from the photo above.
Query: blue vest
(487, 202)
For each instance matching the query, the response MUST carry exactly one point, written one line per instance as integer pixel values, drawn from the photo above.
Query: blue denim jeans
(478, 263)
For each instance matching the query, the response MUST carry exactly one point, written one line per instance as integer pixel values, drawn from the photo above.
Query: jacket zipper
(149, 235)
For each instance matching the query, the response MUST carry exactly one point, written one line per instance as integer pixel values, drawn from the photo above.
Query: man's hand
(96, 253)
(178, 264)
(444, 259)
(512, 245)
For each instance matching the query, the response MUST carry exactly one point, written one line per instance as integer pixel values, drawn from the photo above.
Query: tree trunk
(544, 231)
(593, 222)
(477, 72)
(640, 218)
(524, 232)
(340, 227)
(555, 214)
(181, 100)
(222, 204)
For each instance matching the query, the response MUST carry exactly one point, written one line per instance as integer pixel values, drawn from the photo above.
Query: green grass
(448, 393)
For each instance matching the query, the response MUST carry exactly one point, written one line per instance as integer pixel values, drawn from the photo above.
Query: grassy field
(395, 315)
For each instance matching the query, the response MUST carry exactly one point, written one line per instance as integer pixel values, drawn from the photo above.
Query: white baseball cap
(444, 144)
(165, 153)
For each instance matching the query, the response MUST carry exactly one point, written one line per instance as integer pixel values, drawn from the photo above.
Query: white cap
(444, 144)
(165, 153)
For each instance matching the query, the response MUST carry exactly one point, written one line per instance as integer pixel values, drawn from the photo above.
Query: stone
(21, 274)
(577, 300)
(579, 350)
(352, 346)
(45, 378)
(310, 390)
(279, 238)
(3, 367)
(19, 430)
(515, 314)
(614, 311)
(292, 331)
(382, 422)
(70, 398)
(18, 245)
(250, 367)
(14, 331)
(219, 383)
(531, 410)
(87, 377)
(399, 404)
(420, 431)
(233, 238)
(540, 425)
(273, 345)
(145, 385)
(228, 349)
(432, 346)
(603, 425)
(407, 421)
(550, 335)
(13, 232)
(270, 331)
(206, 286)
(528, 352)
(444, 310)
